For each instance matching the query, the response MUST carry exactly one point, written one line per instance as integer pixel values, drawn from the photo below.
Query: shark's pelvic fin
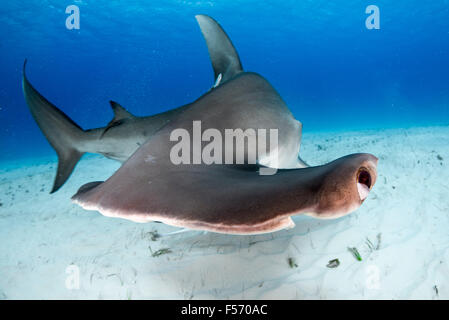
(64, 135)
(224, 57)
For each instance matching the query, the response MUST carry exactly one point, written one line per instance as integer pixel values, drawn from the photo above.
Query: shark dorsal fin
(120, 113)
(120, 116)
(224, 57)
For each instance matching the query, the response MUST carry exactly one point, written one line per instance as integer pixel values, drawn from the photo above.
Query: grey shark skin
(126, 133)
(121, 138)
(228, 198)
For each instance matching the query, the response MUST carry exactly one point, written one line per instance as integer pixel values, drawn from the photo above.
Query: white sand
(42, 234)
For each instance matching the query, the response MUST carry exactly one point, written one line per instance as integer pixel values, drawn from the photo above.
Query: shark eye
(364, 178)
(363, 183)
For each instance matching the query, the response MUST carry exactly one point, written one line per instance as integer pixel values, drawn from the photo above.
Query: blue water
(150, 56)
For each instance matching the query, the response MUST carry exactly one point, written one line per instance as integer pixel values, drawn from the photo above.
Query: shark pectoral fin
(88, 186)
(224, 57)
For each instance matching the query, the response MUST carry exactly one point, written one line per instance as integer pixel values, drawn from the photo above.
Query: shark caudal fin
(64, 135)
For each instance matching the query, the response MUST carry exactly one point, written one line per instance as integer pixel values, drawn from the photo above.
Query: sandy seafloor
(408, 210)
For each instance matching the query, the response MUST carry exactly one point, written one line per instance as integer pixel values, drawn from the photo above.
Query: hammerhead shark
(125, 133)
(226, 198)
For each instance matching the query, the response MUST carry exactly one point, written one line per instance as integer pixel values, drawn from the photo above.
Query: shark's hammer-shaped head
(345, 184)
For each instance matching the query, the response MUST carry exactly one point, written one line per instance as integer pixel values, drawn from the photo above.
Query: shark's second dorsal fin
(120, 115)
(224, 57)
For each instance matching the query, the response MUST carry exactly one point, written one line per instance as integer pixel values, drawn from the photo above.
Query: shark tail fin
(64, 135)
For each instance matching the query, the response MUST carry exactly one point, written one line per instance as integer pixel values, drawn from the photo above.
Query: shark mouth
(363, 183)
